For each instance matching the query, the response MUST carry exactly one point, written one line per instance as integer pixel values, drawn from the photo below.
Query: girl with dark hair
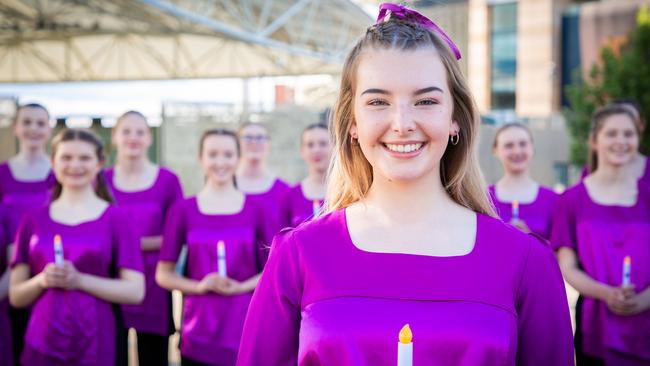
(253, 175)
(410, 236)
(305, 200)
(146, 192)
(25, 183)
(601, 230)
(227, 235)
(519, 199)
(75, 258)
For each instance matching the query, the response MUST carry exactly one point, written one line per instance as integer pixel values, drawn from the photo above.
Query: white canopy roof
(68, 40)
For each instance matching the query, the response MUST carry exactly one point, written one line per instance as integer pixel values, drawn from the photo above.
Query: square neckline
(472, 253)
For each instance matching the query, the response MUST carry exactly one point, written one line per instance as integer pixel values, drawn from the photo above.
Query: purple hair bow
(402, 12)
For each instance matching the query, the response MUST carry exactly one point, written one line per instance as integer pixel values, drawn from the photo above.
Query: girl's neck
(409, 202)
(316, 177)
(132, 166)
(32, 156)
(521, 179)
(612, 175)
(253, 169)
(218, 189)
(77, 196)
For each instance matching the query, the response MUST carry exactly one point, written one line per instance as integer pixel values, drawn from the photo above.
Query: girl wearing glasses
(253, 175)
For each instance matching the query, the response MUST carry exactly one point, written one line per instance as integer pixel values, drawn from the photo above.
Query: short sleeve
(174, 233)
(544, 323)
(127, 253)
(23, 238)
(272, 325)
(175, 190)
(563, 223)
(264, 231)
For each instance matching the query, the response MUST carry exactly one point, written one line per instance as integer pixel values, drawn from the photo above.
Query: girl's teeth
(404, 148)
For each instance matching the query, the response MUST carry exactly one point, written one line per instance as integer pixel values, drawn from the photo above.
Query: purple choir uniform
(21, 197)
(212, 323)
(601, 236)
(271, 200)
(537, 214)
(75, 327)
(324, 301)
(148, 209)
(6, 346)
(296, 208)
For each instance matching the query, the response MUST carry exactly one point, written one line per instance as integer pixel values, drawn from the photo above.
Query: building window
(503, 55)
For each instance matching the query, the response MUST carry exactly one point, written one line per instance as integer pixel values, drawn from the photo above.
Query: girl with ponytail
(410, 237)
(74, 259)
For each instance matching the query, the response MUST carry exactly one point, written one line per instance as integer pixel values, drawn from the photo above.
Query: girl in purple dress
(304, 201)
(6, 349)
(597, 224)
(520, 200)
(410, 237)
(146, 192)
(253, 176)
(640, 165)
(25, 183)
(227, 238)
(75, 258)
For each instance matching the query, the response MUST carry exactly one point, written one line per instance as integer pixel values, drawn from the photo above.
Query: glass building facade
(503, 55)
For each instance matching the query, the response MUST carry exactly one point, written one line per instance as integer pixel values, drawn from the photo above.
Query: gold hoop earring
(454, 138)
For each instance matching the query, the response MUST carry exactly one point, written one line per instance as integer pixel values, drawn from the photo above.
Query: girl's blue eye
(427, 102)
(377, 102)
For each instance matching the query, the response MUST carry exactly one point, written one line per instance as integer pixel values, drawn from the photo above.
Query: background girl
(596, 224)
(146, 192)
(25, 183)
(516, 193)
(226, 235)
(253, 176)
(304, 201)
(72, 321)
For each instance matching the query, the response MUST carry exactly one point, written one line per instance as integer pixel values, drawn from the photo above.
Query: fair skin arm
(620, 300)
(167, 277)
(127, 289)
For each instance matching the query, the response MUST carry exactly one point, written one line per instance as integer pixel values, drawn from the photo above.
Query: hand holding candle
(515, 211)
(58, 251)
(221, 258)
(405, 347)
(627, 269)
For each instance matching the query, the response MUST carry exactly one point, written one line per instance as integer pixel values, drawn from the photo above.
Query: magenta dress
(323, 301)
(601, 236)
(296, 208)
(148, 209)
(212, 324)
(74, 327)
(6, 345)
(21, 197)
(271, 200)
(537, 214)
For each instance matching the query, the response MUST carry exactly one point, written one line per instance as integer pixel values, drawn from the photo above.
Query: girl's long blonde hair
(350, 175)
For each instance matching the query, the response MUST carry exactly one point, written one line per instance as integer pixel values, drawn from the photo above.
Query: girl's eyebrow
(417, 92)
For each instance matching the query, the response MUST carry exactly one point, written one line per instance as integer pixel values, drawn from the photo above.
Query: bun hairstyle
(350, 172)
(71, 134)
(598, 122)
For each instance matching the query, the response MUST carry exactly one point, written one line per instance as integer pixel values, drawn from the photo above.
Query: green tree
(622, 74)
